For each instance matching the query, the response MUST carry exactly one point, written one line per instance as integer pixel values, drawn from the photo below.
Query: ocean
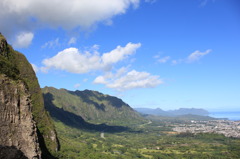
(229, 115)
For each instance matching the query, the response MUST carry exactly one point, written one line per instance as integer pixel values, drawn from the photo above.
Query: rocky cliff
(17, 127)
(22, 106)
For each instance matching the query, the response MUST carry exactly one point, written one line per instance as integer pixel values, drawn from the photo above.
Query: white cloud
(74, 61)
(119, 53)
(85, 80)
(174, 62)
(51, 44)
(23, 40)
(100, 80)
(150, 1)
(124, 80)
(163, 59)
(35, 68)
(178, 61)
(205, 2)
(193, 57)
(72, 40)
(16, 16)
(77, 85)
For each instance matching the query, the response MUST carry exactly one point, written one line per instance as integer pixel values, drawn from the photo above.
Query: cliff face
(17, 74)
(17, 127)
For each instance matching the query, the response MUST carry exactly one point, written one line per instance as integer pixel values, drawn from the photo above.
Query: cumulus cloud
(193, 57)
(100, 80)
(27, 15)
(119, 53)
(124, 80)
(74, 61)
(23, 40)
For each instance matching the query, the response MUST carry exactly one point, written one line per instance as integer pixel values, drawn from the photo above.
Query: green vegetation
(92, 106)
(178, 119)
(15, 65)
(82, 135)
(146, 141)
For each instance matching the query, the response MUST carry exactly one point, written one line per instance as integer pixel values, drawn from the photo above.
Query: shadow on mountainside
(84, 95)
(76, 121)
(11, 152)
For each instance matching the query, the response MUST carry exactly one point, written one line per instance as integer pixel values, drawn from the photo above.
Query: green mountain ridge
(92, 106)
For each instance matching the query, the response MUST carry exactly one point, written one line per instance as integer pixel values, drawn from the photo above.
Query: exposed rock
(17, 127)
(15, 70)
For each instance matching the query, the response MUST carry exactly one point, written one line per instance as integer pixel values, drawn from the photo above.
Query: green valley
(151, 140)
(92, 125)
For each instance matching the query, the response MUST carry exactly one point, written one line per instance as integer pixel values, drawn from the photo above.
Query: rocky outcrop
(17, 127)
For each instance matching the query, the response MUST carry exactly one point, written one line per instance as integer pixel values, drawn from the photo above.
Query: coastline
(229, 115)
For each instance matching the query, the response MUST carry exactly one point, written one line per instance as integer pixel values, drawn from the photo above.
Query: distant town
(226, 127)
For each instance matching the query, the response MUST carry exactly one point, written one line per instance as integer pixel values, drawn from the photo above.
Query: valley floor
(152, 140)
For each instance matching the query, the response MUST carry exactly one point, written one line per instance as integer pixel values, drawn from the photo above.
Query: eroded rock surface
(17, 127)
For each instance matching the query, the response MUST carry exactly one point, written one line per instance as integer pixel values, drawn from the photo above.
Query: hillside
(92, 106)
(19, 82)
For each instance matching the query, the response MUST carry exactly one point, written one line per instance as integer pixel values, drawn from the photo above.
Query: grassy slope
(15, 65)
(93, 106)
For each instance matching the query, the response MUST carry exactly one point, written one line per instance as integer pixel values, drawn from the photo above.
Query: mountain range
(91, 106)
(172, 113)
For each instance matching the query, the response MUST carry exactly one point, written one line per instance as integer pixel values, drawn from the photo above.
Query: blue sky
(153, 53)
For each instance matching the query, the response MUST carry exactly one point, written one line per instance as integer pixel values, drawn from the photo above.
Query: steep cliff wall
(14, 66)
(17, 127)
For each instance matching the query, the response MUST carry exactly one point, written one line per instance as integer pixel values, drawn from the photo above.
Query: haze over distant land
(178, 112)
(166, 54)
